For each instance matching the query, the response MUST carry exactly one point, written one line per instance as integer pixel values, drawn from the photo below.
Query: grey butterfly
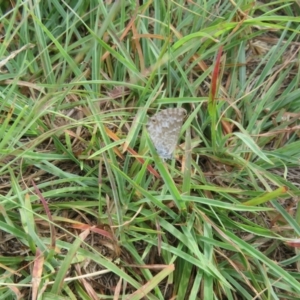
(164, 128)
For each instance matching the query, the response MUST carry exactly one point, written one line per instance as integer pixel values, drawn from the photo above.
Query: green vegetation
(87, 208)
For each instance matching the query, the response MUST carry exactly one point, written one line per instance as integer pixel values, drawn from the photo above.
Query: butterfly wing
(164, 128)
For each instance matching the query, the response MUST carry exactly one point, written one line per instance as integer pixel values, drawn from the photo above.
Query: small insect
(164, 128)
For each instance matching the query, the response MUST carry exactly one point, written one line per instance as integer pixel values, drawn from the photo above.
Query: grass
(87, 208)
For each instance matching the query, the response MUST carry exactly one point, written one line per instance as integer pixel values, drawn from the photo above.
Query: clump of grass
(88, 209)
